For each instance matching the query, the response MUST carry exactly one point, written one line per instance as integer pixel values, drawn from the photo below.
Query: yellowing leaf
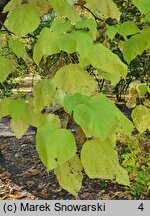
(72, 78)
(20, 126)
(141, 118)
(46, 45)
(64, 9)
(102, 58)
(104, 9)
(55, 146)
(6, 67)
(24, 19)
(141, 89)
(70, 176)
(100, 160)
(43, 93)
(43, 5)
(39, 119)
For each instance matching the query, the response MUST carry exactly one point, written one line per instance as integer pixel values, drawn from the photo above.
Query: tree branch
(5, 28)
(96, 18)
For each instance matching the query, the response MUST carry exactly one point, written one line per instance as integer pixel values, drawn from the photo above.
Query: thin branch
(5, 28)
(96, 18)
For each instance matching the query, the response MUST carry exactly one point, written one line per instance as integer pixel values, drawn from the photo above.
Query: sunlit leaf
(64, 9)
(43, 5)
(70, 176)
(24, 19)
(141, 118)
(71, 101)
(105, 8)
(59, 26)
(88, 24)
(20, 126)
(141, 89)
(96, 116)
(46, 45)
(111, 31)
(100, 160)
(67, 43)
(128, 28)
(16, 109)
(43, 93)
(72, 78)
(102, 58)
(55, 146)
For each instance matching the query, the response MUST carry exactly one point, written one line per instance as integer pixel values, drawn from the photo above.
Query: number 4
(141, 207)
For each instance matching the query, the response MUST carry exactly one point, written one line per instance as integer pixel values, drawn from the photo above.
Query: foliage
(134, 156)
(82, 32)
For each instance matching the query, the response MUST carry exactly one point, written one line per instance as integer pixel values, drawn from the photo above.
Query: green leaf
(141, 118)
(114, 78)
(43, 93)
(46, 45)
(17, 46)
(6, 67)
(84, 43)
(16, 109)
(11, 5)
(102, 58)
(4, 111)
(136, 45)
(60, 27)
(141, 89)
(39, 119)
(55, 146)
(100, 160)
(128, 28)
(97, 116)
(64, 9)
(24, 19)
(89, 24)
(111, 31)
(143, 6)
(71, 101)
(43, 5)
(70, 176)
(67, 43)
(104, 9)
(72, 78)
